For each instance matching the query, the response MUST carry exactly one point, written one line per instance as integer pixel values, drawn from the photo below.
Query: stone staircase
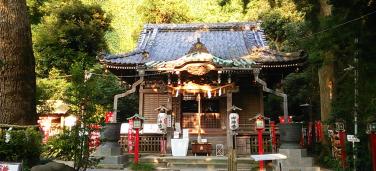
(210, 163)
(297, 160)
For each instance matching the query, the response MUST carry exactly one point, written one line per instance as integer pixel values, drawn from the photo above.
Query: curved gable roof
(168, 42)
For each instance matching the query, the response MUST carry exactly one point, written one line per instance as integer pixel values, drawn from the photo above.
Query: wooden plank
(151, 101)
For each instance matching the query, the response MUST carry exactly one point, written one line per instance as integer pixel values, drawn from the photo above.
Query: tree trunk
(326, 72)
(17, 74)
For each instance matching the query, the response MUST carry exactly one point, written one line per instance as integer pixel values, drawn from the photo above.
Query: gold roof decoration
(198, 47)
(257, 53)
(191, 88)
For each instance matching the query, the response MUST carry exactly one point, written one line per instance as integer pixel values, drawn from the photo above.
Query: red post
(318, 129)
(274, 137)
(373, 149)
(136, 147)
(260, 147)
(130, 137)
(342, 139)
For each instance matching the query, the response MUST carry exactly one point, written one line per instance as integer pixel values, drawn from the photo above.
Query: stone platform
(297, 160)
(110, 155)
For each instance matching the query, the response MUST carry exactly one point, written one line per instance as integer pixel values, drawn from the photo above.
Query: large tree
(70, 32)
(17, 75)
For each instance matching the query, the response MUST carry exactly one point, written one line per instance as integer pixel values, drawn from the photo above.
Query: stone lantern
(371, 127)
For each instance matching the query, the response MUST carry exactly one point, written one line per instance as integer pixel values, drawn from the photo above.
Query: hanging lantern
(234, 121)
(233, 118)
(260, 124)
(162, 121)
(162, 117)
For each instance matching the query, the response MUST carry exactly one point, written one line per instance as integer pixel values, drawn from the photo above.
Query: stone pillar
(290, 135)
(109, 151)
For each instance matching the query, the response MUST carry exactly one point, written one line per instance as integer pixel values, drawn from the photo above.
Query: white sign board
(352, 138)
(148, 128)
(263, 157)
(10, 166)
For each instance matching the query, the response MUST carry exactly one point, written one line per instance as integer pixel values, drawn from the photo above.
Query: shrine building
(198, 72)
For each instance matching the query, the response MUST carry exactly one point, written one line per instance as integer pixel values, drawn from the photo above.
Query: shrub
(142, 166)
(72, 145)
(60, 146)
(23, 146)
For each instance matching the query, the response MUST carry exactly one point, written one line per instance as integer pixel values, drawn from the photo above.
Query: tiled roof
(168, 42)
(200, 57)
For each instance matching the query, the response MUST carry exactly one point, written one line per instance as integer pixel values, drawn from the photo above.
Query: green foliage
(34, 10)
(23, 146)
(142, 167)
(302, 88)
(51, 88)
(73, 32)
(164, 11)
(71, 145)
(61, 146)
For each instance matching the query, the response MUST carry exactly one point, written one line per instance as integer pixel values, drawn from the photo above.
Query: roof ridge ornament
(198, 47)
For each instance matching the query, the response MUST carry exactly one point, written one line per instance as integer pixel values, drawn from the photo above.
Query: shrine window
(210, 117)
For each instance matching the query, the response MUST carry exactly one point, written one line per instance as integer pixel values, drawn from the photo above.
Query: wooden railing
(250, 128)
(150, 143)
(246, 141)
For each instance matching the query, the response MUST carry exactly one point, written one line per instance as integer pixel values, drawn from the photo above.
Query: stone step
(200, 162)
(294, 153)
(303, 162)
(300, 169)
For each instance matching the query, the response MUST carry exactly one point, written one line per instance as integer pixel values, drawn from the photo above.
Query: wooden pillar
(228, 130)
(170, 131)
(261, 96)
(231, 152)
(141, 100)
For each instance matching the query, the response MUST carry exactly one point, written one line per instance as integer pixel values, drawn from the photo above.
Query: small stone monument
(109, 151)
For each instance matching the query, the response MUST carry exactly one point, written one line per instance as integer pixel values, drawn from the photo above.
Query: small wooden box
(201, 148)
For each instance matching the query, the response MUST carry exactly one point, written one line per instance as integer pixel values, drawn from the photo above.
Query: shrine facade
(198, 72)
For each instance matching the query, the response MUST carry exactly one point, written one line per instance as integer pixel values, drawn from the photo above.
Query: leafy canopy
(73, 32)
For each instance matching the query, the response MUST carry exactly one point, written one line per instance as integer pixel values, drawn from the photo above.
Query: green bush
(60, 146)
(142, 167)
(23, 146)
(72, 145)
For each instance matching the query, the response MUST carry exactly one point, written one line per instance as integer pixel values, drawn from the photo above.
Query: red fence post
(342, 140)
(130, 137)
(260, 147)
(137, 138)
(373, 149)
